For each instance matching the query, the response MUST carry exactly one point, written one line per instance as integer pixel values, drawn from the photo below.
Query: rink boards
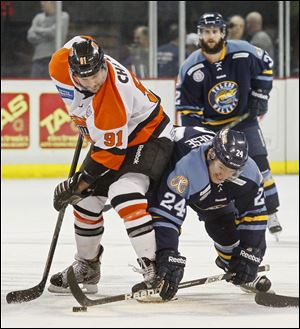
(37, 139)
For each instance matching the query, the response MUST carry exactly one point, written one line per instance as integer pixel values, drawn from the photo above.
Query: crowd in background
(134, 54)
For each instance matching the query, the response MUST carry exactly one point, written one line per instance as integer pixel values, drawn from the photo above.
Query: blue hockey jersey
(187, 182)
(218, 92)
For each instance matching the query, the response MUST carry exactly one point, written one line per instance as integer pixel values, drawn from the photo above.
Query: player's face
(211, 39)
(94, 82)
(218, 172)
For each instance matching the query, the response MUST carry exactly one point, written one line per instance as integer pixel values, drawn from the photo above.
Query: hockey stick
(27, 295)
(83, 300)
(107, 207)
(236, 122)
(273, 300)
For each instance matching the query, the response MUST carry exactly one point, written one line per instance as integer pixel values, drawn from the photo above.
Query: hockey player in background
(215, 177)
(228, 81)
(131, 143)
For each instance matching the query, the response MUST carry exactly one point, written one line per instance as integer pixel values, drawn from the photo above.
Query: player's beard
(217, 48)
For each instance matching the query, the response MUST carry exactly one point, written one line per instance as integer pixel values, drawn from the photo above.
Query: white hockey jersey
(122, 114)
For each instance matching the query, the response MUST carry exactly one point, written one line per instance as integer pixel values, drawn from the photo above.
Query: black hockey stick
(27, 295)
(83, 300)
(107, 207)
(273, 300)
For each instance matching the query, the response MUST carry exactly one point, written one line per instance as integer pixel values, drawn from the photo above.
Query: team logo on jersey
(198, 76)
(224, 96)
(179, 183)
(81, 125)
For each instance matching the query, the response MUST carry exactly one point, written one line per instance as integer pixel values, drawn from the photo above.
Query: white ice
(27, 225)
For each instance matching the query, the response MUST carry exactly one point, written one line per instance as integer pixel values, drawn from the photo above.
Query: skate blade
(86, 288)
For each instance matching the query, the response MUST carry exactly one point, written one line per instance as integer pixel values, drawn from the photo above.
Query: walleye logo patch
(224, 97)
(179, 183)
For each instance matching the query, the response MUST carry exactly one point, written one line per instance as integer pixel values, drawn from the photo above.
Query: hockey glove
(258, 102)
(170, 268)
(244, 264)
(65, 194)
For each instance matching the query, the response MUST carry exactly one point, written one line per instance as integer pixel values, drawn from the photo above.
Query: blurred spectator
(167, 55)
(191, 43)
(42, 35)
(138, 59)
(236, 28)
(258, 37)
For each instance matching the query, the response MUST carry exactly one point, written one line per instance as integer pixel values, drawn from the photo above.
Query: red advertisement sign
(14, 120)
(56, 127)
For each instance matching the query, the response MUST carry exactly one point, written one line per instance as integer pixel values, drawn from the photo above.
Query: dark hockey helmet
(231, 148)
(212, 19)
(86, 58)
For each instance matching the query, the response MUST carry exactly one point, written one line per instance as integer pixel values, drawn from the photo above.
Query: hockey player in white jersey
(131, 143)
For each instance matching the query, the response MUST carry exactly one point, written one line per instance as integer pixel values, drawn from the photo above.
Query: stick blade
(26, 295)
(75, 289)
(273, 300)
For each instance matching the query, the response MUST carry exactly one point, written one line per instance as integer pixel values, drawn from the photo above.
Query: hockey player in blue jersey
(215, 177)
(229, 81)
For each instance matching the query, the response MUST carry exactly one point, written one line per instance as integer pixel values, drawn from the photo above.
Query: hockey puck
(79, 309)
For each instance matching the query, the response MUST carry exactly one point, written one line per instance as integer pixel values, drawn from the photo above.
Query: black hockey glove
(64, 192)
(258, 102)
(244, 263)
(170, 268)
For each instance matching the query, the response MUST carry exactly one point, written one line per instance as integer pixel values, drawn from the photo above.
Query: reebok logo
(176, 260)
(138, 154)
(249, 256)
(259, 95)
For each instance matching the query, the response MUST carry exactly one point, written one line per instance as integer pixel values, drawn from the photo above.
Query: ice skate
(149, 273)
(87, 273)
(259, 284)
(151, 281)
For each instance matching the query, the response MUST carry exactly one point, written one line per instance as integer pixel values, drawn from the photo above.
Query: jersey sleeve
(188, 99)
(168, 209)
(261, 69)
(252, 216)
(59, 73)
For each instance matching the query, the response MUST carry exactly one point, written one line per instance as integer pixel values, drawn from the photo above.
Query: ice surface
(27, 225)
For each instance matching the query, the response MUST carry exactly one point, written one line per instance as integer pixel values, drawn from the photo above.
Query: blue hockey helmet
(231, 148)
(85, 58)
(212, 19)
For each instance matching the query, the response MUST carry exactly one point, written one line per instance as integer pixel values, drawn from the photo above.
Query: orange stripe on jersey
(59, 67)
(87, 37)
(111, 161)
(109, 110)
(85, 220)
(133, 212)
(145, 133)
